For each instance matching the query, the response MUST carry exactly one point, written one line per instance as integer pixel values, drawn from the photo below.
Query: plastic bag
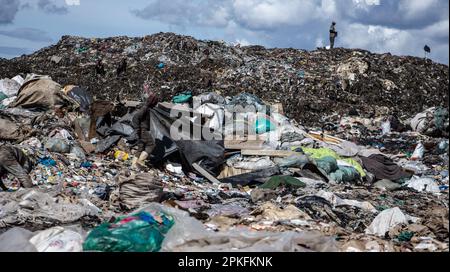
(212, 97)
(140, 232)
(174, 168)
(413, 166)
(16, 240)
(432, 121)
(5, 103)
(183, 97)
(345, 174)
(57, 145)
(386, 220)
(386, 128)
(9, 87)
(3, 96)
(250, 163)
(443, 146)
(245, 100)
(327, 164)
(295, 161)
(19, 79)
(58, 239)
(423, 184)
(107, 143)
(83, 97)
(440, 117)
(124, 126)
(337, 201)
(418, 152)
(78, 152)
(60, 133)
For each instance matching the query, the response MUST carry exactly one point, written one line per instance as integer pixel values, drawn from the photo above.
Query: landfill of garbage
(344, 150)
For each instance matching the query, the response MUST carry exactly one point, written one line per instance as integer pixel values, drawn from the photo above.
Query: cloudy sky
(401, 27)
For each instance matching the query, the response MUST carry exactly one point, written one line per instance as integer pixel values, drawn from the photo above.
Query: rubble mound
(309, 84)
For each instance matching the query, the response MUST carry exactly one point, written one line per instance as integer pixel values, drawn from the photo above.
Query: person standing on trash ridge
(100, 68)
(122, 68)
(141, 123)
(333, 34)
(14, 161)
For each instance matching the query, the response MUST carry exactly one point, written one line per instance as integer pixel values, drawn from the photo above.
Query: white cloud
(182, 13)
(73, 2)
(438, 30)
(8, 10)
(263, 14)
(382, 39)
(51, 7)
(27, 33)
(413, 8)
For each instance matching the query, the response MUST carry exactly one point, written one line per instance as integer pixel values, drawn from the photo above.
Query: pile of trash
(314, 84)
(230, 171)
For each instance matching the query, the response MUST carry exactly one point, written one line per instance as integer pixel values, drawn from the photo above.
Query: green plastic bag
(440, 115)
(345, 174)
(141, 232)
(2, 97)
(405, 236)
(264, 125)
(327, 164)
(319, 153)
(182, 97)
(356, 165)
(277, 181)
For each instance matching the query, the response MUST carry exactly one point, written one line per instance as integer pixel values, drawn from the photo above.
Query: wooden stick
(205, 173)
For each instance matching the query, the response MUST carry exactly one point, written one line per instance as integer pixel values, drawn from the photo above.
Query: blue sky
(401, 27)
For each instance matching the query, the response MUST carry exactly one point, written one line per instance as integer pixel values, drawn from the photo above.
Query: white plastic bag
(423, 184)
(7, 101)
(418, 153)
(388, 219)
(16, 240)
(253, 164)
(337, 201)
(174, 168)
(421, 121)
(58, 239)
(386, 128)
(9, 87)
(19, 79)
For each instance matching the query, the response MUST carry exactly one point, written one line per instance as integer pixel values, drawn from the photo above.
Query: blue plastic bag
(182, 97)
